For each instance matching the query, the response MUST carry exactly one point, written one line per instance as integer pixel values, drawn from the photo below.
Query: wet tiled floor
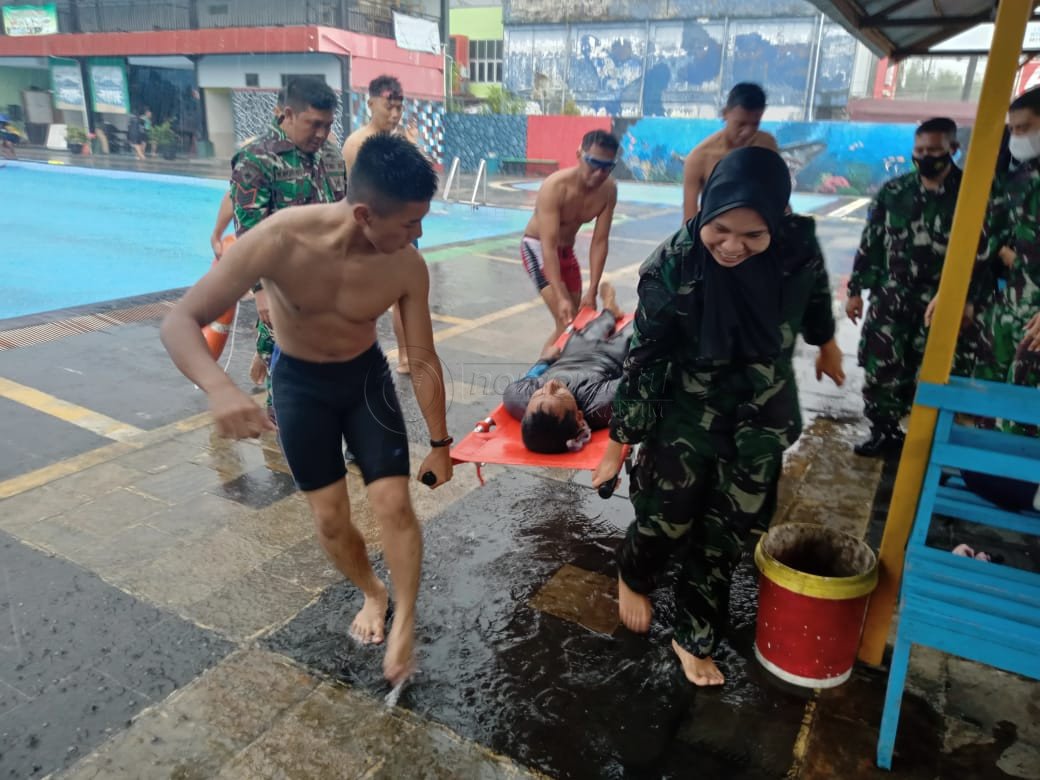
(172, 614)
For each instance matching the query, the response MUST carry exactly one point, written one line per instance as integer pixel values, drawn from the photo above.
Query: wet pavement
(167, 611)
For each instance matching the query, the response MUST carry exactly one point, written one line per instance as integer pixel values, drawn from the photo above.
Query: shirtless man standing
(566, 201)
(331, 270)
(743, 113)
(386, 107)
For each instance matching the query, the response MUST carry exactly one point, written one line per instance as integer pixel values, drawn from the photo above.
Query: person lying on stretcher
(559, 409)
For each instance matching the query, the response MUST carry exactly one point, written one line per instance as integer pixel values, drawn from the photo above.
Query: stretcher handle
(428, 478)
(606, 490)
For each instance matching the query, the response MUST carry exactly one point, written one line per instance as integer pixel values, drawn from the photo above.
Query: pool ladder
(454, 180)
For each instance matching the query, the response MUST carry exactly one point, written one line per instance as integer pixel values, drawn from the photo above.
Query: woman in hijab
(696, 392)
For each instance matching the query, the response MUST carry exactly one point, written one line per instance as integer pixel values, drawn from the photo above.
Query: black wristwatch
(445, 442)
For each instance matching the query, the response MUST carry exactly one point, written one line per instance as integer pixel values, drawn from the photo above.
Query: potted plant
(75, 138)
(164, 139)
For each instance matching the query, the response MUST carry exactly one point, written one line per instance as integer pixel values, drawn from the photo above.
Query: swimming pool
(672, 195)
(74, 236)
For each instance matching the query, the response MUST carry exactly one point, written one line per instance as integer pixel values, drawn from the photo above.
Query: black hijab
(741, 314)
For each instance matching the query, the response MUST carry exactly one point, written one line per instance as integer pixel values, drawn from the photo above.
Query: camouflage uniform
(270, 173)
(900, 260)
(712, 438)
(807, 309)
(1013, 221)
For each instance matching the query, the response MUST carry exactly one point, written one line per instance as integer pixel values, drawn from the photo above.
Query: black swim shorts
(318, 405)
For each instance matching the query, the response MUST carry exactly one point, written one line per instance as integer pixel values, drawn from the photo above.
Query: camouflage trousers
(698, 486)
(891, 348)
(1003, 356)
(265, 349)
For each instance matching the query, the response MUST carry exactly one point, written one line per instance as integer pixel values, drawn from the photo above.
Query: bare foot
(369, 624)
(634, 608)
(699, 671)
(403, 367)
(609, 296)
(399, 661)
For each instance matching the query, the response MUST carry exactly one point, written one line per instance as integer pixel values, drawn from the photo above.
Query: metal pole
(1008, 34)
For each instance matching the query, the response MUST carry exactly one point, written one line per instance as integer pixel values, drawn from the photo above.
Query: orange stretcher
(496, 438)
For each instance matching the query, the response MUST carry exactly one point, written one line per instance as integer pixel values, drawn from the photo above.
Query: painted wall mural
(844, 158)
(837, 158)
(678, 68)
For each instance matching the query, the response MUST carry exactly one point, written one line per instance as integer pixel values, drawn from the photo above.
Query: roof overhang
(904, 28)
(231, 40)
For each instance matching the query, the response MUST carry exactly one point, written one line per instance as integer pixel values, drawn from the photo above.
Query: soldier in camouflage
(899, 261)
(1010, 350)
(292, 164)
(698, 394)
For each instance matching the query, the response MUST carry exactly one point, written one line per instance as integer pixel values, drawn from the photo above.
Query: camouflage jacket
(1013, 220)
(271, 174)
(904, 242)
(663, 357)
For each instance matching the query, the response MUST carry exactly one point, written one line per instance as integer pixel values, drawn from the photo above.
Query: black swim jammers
(318, 405)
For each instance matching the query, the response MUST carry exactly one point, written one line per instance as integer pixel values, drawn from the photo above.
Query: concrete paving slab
(82, 658)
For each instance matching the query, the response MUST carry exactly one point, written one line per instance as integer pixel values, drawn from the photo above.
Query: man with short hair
(899, 261)
(567, 200)
(226, 212)
(745, 106)
(292, 164)
(386, 107)
(330, 271)
(560, 408)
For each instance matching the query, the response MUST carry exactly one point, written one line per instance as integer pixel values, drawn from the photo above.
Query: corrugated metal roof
(900, 28)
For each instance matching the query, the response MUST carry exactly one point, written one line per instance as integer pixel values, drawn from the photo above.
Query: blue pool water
(671, 195)
(73, 236)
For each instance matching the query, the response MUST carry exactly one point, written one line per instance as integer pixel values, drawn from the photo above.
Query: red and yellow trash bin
(814, 586)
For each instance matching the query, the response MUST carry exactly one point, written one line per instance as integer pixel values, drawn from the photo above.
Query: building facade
(212, 68)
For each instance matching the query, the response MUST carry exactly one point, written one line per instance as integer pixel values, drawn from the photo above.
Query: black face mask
(932, 167)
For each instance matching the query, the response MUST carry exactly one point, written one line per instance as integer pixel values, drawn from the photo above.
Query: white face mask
(1025, 147)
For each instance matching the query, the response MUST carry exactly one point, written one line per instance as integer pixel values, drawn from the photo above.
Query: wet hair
(546, 433)
(384, 83)
(746, 95)
(389, 171)
(939, 124)
(307, 92)
(1029, 99)
(599, 138)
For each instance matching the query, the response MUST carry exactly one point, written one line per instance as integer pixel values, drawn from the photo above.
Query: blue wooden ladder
(983, 611)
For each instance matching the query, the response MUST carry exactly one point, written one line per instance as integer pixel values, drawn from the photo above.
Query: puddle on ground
(553, 694)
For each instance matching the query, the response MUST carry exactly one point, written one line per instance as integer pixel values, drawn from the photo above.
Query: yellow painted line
(63, 468)
(449, 319)
(848, 208)
(801, 742)
(499, 258)
(80, 416)
(644, 241)
(83, 461)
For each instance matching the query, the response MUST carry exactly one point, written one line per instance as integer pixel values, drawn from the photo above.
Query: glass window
(485, 61)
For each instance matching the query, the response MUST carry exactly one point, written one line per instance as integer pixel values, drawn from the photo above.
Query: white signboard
(417, 34)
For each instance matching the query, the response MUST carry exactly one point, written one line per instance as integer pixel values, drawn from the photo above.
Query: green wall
(477, 24)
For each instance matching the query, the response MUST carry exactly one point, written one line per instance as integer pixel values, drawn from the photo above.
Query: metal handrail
(453, 173)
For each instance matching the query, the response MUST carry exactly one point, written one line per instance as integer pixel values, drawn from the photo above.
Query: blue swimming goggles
(602, 165)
